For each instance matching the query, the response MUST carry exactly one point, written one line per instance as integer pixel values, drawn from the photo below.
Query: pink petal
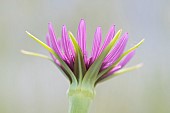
(121, 64)
(64, 41)
(81, 36)
(49, 44)
(109, 37)
(96, 44)
(116, 52)
(127, 59)
(71, 50)
(53, 40)
(59, 43)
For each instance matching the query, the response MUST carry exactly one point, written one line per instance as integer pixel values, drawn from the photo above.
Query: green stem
(80, 100)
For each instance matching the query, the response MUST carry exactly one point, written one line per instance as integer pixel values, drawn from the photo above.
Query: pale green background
(34, 85)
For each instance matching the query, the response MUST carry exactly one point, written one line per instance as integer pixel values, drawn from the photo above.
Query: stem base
(80, 100)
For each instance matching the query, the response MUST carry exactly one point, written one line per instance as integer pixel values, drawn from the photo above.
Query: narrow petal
(109, 37)
(59, 42)
(49, 44)
(81, 35)
(70, 45)
(127, 59)
(64, 41)
(70, 50)
(96, 44)
(120, 65)
(116, 52)
(67, 48)
(53, 40)
(81, 38)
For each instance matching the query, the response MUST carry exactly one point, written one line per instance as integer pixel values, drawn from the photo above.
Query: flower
(85, 71)
(70, 54)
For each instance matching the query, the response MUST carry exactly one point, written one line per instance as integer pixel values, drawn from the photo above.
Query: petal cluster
(105, 60)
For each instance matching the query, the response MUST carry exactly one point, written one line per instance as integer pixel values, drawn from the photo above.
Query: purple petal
(71, 50)
(64, 41)
(68, 48)
(49, 44)
(121, 64)
(109, 37)
(127, 59)
(96, 43)
(81, 36)
(116, 52)
(59, 43)
(53, 40)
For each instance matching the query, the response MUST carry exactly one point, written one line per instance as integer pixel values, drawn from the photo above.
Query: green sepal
(93, 71)
(119, 59)
(63, 64)
(79, 65)
(45, 57)
(122, 71)
(36, 54)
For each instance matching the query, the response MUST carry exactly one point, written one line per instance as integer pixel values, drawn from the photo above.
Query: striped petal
(49, 44)
(127, 59)
(121, 64)
(71, 50)
(59, 42)
(109, 37)
(65, 43)
(53, 40)
(116, 52)
(96, 44)
(81, 36)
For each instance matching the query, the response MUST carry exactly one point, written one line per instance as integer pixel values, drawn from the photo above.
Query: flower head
(70, 54)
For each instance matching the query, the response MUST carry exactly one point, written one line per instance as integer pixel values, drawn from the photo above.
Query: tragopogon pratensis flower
(83, 70)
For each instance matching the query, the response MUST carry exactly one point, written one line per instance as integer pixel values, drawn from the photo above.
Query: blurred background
(35, 85)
